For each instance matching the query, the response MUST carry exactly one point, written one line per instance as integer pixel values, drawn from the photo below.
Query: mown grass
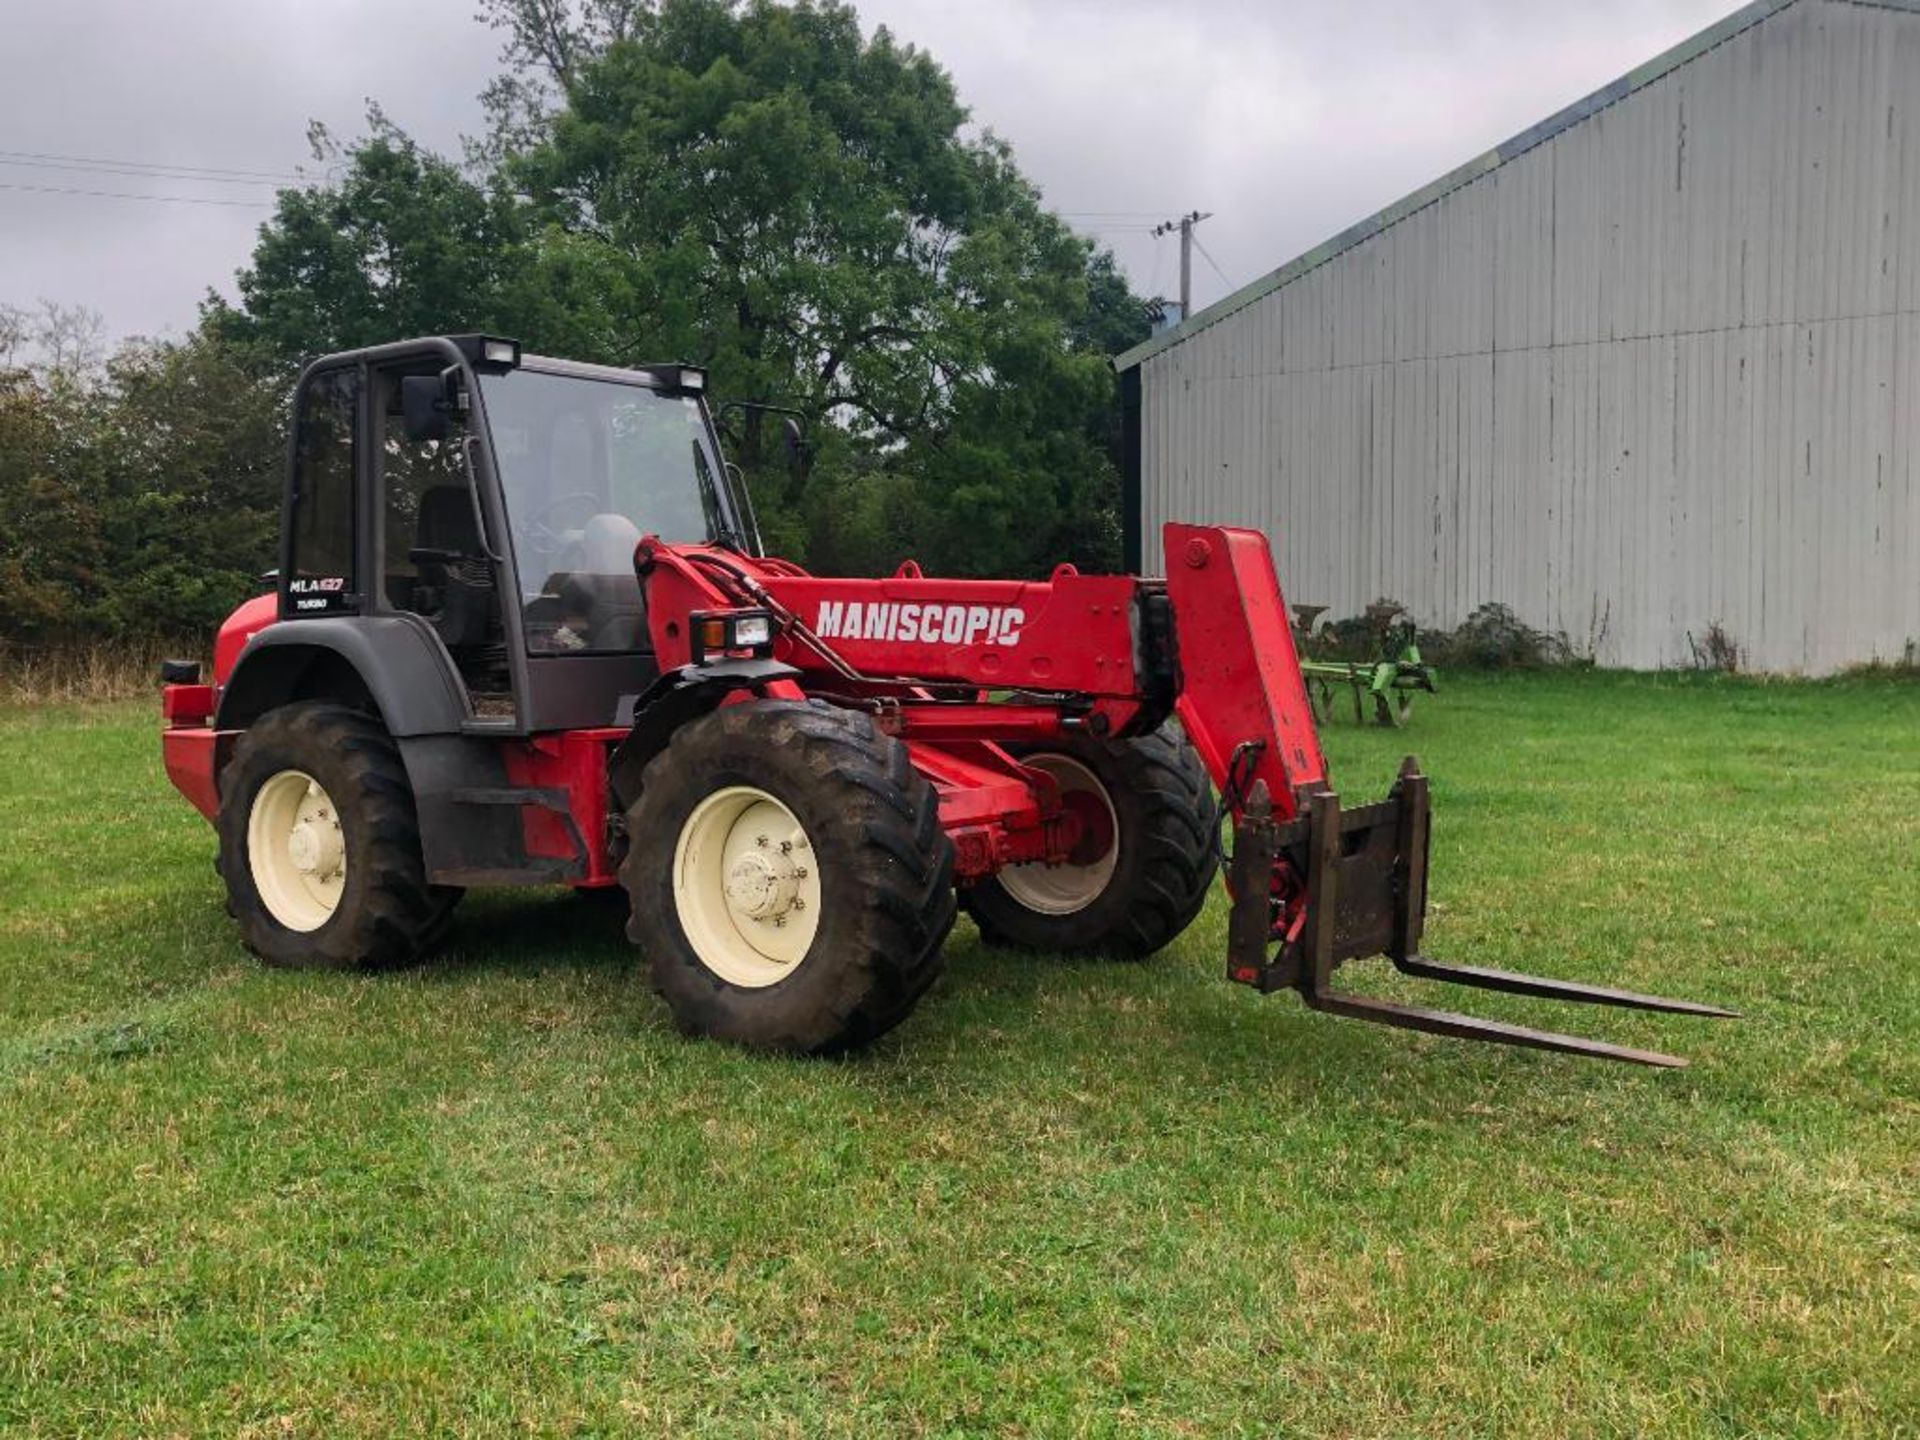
(497, 1195)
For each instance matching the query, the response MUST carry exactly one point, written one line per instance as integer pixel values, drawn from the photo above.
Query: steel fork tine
(1517, 984)
(1467, 1027)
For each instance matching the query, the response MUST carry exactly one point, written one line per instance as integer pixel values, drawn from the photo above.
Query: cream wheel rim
(1068, 887)
(296, 850)
(746, 887)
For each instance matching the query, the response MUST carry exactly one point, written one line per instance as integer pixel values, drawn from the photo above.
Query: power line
(198, 170)
(152, 174)
(129, 195)
(1106, 231)
(1211, 261)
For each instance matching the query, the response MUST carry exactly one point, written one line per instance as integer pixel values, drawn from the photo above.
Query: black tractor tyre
(387, 913)
(1164, 820)
(883, 867)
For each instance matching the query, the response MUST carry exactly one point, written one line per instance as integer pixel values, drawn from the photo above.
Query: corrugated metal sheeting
(1655, 371)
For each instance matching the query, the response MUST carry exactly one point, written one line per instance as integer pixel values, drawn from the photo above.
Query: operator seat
(456, 591)
(605, 589)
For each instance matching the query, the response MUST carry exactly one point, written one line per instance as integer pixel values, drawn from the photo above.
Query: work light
(729, 632)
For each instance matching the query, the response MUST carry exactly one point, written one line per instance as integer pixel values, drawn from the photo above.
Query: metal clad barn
(1651, 366)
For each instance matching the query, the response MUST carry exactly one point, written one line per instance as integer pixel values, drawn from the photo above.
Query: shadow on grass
(1160, 1024)
(999, 1018)
(530, 933)
(994, 1010)
(1009, 1016)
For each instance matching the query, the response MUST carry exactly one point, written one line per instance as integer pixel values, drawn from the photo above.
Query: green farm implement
(1389, 682)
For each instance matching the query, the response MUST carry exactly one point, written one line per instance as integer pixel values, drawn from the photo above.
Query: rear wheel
(790, 882)
(1141, 870)
(320, 845)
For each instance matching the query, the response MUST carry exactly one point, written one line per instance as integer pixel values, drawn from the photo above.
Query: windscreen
(587, 467)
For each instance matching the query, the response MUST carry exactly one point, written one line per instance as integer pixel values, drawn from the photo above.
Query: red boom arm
(961, 666)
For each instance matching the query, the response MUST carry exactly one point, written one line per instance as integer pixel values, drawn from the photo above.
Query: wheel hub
(296, 850)
(747, 886)
(315, 847)
(1068, 887)
(762, 887)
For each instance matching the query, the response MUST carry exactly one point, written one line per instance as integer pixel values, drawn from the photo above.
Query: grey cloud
(221, 83)
(1288, 121)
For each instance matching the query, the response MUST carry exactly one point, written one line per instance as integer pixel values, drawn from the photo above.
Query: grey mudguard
(402, 666)
(674, 699)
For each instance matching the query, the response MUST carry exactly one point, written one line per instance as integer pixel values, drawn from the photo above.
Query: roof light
(501, 352)
(692, 379)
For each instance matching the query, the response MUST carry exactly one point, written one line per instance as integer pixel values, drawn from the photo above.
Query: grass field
(496, 1195)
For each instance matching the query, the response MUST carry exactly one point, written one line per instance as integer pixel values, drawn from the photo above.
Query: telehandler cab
(522, 632)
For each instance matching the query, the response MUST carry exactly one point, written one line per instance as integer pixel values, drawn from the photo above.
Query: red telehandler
(522, 632)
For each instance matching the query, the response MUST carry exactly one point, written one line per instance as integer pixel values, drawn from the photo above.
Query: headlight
(727, 632)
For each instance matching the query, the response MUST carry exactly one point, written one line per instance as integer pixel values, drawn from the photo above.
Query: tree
(193, 441)
(403, 244)
(800, 208)
(71, 338)
(546, 42)
(52, 341)
(15, 330)
(759, 188)
(140, 499)
(51, 545)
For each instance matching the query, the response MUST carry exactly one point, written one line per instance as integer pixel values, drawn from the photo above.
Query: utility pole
(1185, 226)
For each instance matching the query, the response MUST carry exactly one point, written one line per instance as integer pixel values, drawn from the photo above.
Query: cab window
(588, 467)
(320, 568)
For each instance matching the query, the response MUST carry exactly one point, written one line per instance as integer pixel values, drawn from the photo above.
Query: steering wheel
(545, 532)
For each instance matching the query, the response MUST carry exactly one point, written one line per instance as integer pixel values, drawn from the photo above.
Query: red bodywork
(960, 668)
(574, 761)
(195, 753)
(956, 669)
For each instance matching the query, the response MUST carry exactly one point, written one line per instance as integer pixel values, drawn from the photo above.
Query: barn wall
(1659, 371)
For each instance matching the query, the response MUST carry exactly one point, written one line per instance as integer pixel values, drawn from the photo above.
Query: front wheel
(1145, 859)
(790, 881)
(320, 844)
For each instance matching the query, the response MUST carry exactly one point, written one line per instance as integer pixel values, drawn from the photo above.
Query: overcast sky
(1287, 120)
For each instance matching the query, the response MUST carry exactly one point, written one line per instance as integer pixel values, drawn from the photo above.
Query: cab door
(434, 556)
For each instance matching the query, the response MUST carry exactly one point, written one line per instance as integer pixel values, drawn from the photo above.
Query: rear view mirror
(794, 440)
(429, 402)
